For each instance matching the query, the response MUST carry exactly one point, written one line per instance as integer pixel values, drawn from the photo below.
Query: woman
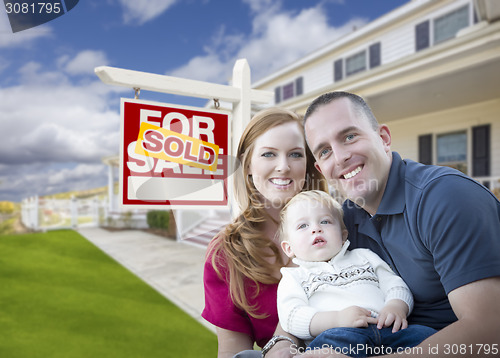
(243, 262)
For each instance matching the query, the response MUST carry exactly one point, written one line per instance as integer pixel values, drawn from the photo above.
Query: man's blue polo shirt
(437, 228)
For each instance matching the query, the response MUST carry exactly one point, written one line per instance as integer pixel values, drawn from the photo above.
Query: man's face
(352, 156)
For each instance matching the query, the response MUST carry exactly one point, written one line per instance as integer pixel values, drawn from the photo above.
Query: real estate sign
(173, 156)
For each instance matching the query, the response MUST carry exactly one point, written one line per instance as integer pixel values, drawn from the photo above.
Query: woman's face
(278, 164)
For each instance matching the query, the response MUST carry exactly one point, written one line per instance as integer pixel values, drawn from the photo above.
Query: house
(429, 69)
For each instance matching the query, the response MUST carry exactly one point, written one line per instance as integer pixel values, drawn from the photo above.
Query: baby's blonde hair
(317, 196)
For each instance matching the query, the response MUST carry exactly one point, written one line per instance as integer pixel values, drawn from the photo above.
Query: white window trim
(432, 19)
(367, 62)
(468, 133)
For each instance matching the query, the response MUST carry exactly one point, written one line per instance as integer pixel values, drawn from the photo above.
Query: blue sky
(57, 119)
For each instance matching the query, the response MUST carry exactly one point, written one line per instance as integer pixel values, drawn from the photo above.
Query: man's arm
(474, 334)
(477, 307)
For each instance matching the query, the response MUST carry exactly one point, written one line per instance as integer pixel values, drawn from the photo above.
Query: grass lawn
(60, 296)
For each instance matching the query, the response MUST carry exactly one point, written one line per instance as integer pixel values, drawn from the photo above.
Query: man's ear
(287, 249)
(385, 135)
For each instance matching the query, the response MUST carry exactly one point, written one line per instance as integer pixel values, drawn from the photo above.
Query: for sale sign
(173, 156)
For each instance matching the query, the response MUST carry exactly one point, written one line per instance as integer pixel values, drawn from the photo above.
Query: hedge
(158, 219)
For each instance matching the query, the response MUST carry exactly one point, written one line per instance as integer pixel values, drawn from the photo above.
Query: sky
(58, 120)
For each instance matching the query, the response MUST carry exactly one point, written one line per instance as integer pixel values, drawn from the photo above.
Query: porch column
(111, 187)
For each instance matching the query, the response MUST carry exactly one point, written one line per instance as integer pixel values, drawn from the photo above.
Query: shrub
(6, 207)
(158, 219)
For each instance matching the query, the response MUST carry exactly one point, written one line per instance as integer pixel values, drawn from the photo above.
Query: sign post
(175, 156)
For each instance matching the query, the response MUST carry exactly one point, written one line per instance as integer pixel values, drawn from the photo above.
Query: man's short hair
(360, 106)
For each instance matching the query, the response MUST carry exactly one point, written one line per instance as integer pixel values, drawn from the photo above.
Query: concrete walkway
(174, 269)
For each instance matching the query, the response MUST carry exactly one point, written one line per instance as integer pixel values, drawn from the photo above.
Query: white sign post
(240, 94)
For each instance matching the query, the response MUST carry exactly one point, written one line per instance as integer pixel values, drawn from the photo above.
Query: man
(436, 228)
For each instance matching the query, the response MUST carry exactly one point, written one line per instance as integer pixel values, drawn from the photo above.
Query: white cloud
(142, 11)
(278, 38)
(84, 62)
(29, 180)
(209, 68)
(56, 124)
(79, 174)
(24, 38)
(259, 6)
(48, 123)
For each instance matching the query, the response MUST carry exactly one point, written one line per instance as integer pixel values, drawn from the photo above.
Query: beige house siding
(405, 132)
(441, 89)
(398, 43)
(397, 39)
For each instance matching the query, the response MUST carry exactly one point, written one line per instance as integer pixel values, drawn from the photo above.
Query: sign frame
(216, 183)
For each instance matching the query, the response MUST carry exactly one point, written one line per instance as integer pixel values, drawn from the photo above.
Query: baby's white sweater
(352, 278)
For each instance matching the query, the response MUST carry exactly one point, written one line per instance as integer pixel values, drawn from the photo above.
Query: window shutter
(425, 149)
(481, 151)
(422, 35)
(337, 70)
(299, 86)
(375, 55)
(277, 95)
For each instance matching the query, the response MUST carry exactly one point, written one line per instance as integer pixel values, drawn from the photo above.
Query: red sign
(191, 138)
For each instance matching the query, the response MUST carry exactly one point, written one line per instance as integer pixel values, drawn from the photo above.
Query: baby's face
(313, 232)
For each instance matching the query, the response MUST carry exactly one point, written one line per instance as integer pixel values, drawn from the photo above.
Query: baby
(347, 300)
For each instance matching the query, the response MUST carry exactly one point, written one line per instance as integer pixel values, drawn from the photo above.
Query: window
(443, 28)
(355, 63)
(447, 26)
(358, 62)
(452, 150)
(287, 91)
(292, 89)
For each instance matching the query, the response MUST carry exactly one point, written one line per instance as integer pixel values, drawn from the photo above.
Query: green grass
(7, 227)
(60, 296)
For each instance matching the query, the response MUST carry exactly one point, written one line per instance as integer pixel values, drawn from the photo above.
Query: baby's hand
(355, 316)
(394, 313)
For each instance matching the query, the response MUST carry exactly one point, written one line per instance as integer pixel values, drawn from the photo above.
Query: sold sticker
(161, 143)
